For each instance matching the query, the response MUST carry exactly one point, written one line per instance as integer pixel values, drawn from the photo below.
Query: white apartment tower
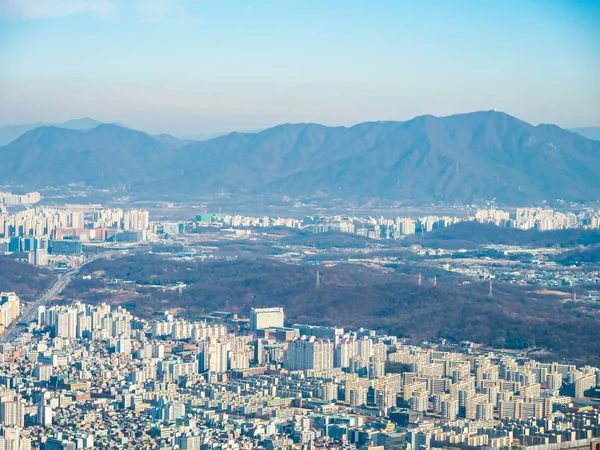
(66, 324)
(9, 309)
(213, 357)
(12, 414)
(309, 353)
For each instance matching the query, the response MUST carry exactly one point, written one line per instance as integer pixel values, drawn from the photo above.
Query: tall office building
(262, 318)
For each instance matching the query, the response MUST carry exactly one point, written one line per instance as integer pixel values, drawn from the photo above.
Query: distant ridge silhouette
(459, 158)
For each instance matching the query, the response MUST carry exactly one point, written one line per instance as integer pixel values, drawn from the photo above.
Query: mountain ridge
(457, 158)
(588, 132)
(9, 133)
(51, 155)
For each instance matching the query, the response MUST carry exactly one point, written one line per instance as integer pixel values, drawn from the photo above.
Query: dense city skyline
(118, 327)
(230, 383)
(300, 225)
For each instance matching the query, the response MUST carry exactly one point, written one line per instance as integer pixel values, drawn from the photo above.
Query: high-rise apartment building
(309, 353)
(12, 413)
(135, 220)
(405, 226)
(584, 383)
(44, 415)
(42, 372)
(66, 323)
(9, 309)
(449, 409)
(11, 440)
(344, 351)
(213, 357)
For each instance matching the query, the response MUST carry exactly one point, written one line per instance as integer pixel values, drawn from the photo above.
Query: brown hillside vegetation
(25, 280)
(353, 296)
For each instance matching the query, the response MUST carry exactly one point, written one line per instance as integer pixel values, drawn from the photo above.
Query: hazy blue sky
(202, 66)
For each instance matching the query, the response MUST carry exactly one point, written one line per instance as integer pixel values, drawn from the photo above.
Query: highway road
(29, 314)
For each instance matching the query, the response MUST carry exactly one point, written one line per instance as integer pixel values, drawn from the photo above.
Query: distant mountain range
(460, 158)
(588, 132)
(10, 133)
